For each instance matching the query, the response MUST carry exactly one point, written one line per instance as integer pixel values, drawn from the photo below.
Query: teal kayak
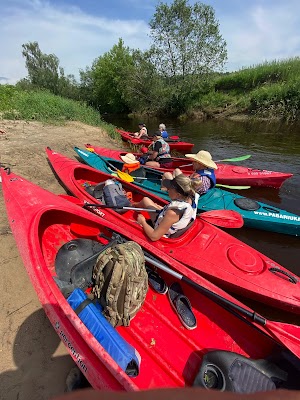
(255, 214)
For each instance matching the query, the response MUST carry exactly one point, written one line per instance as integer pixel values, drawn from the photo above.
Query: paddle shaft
(121, 208)
(229, 305)
(225, 220)
(217, 184)
(236, 159)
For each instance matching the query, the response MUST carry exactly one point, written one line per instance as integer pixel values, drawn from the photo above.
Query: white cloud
(73, 36)
(262, 33)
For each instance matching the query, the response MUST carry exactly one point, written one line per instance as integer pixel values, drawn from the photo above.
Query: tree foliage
(186, 39)
(44, 72)
(108, 77)
(43, 69)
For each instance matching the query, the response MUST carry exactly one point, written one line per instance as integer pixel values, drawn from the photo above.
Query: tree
(186, 39)
(43, 69)
(144, 87)
(109, 73)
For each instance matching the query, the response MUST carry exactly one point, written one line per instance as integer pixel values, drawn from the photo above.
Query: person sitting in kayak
(130, 163)
(159, 153)
(162, 129)
(204, 168)
(174, 216)
(142, 133)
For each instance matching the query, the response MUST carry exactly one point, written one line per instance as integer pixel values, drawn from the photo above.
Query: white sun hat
(129, 158)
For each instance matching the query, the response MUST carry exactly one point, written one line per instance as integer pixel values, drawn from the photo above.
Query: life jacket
(164, 134)
(130, 167)
(189, 214)
(164, 151)
(209, 173)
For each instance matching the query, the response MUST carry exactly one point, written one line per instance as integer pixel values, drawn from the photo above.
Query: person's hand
(176, 172)
(140, 219)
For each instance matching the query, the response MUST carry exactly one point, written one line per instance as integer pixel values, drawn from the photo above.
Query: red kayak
(175, 144)
(211, 355)
(226, 174)
(210, 251)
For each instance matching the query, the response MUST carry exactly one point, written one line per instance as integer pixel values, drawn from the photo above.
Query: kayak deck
(170, 354)
(174, 144)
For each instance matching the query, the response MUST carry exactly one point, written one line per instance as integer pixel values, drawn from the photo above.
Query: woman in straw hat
(204, 168)
(176, 215)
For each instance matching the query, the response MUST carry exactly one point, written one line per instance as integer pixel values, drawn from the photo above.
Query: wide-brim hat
(129, 158)
(203, 157)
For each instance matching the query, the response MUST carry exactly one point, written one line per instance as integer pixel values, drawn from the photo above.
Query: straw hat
(129, 158)
(203, 157)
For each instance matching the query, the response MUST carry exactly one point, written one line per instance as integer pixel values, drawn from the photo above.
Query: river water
(272, 146)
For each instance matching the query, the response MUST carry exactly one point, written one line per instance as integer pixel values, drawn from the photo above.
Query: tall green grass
(46, 107)
(261, 74)
(268, 90)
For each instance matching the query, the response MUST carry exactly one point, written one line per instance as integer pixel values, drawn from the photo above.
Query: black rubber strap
(82, 306)
(292, 278)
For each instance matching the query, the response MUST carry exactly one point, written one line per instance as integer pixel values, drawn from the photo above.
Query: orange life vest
(131, 167)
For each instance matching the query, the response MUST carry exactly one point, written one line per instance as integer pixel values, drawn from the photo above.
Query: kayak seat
(246, 204)
(139, 173)
(229, 371)
(180, 232)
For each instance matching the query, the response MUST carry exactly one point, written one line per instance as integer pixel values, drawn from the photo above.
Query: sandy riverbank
(34, 363)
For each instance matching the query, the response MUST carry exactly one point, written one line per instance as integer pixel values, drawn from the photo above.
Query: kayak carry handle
(291, 279)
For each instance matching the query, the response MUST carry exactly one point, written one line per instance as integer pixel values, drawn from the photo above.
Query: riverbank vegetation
(41, 105)
(181, 75)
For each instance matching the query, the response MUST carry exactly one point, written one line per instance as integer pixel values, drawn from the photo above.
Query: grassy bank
(16, 104)
(269, 90)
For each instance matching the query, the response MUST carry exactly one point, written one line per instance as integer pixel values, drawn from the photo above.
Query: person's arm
(155, 151)
(169, 219)
(143, 132)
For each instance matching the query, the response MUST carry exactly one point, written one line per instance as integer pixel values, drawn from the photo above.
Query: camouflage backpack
(121, 282)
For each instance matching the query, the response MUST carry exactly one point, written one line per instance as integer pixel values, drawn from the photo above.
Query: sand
(33, 362)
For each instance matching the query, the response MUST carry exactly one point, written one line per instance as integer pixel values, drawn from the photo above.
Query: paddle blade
(241, 158)
(223, 218)
(287, 334)
(233, 187)
(124, 176)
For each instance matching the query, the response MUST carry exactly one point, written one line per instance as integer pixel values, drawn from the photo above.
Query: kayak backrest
(180, 232)
(229, 371)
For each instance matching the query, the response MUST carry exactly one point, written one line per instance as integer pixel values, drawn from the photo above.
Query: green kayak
(256, 214)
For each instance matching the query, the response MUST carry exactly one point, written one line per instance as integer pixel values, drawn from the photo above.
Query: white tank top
(189, 214)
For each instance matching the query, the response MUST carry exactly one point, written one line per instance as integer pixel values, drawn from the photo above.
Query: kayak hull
(226, 174)
(255, 214)
(211, 252)
(42, 222)
(178, 145)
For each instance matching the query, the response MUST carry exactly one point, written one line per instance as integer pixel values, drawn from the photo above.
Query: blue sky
(77, 31)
